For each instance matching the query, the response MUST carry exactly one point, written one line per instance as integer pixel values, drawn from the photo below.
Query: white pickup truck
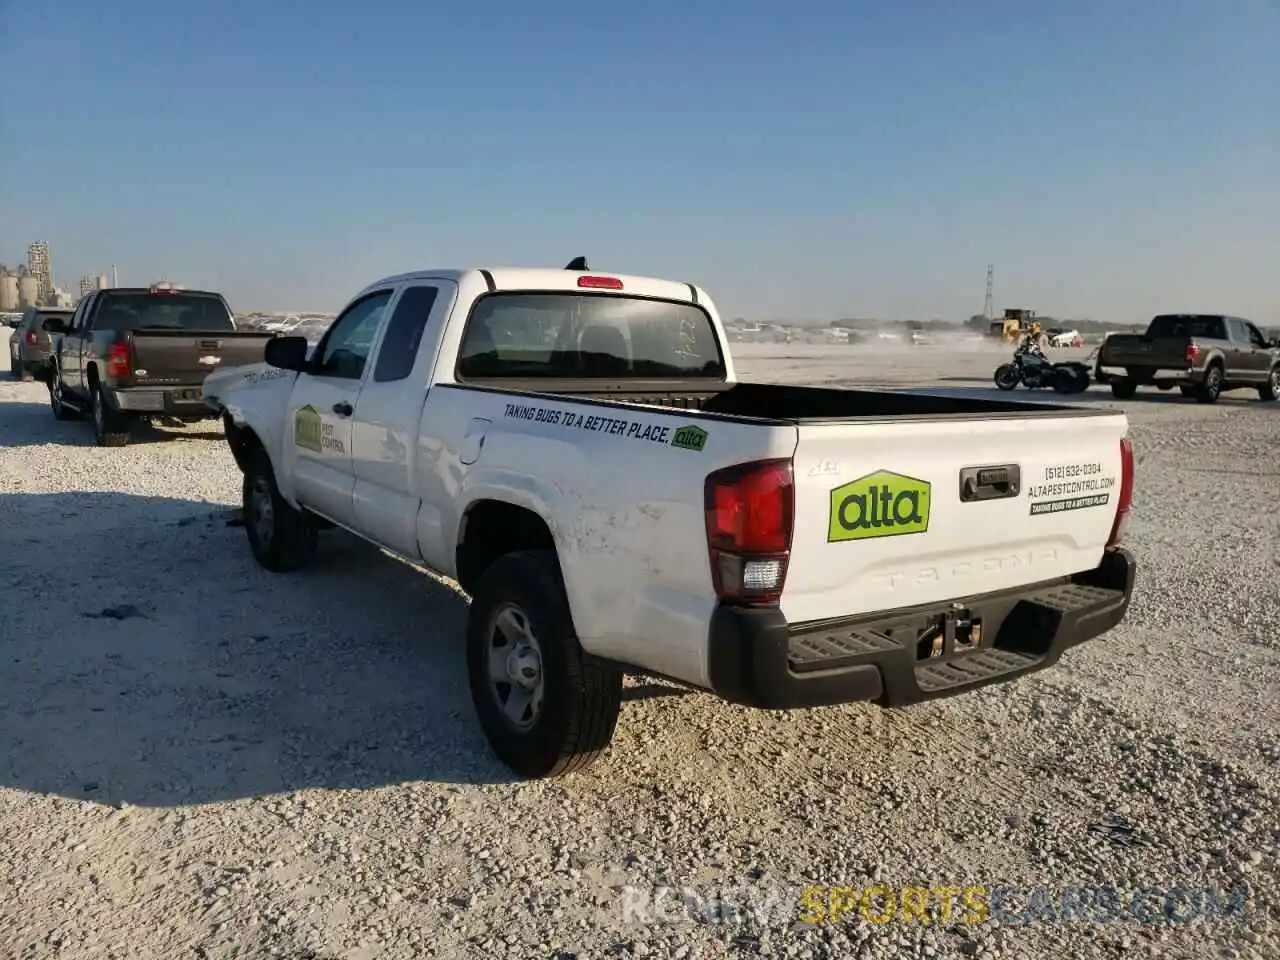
(574, 449)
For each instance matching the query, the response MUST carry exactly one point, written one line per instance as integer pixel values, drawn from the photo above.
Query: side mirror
(287, 353)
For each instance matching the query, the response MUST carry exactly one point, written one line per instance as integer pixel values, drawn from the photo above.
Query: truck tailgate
(1137, 350)
(881, 521)
(184, 356)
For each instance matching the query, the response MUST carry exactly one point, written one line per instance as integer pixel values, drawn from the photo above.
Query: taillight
(118, 360)
(1125, 498)
(31, 338)
(1193, 352)
(750, 510)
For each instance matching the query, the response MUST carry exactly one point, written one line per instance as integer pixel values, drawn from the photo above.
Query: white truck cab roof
(509, 279)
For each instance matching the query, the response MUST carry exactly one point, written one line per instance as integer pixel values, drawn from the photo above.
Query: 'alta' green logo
(306, 428)
(689, 438)
(881, 504)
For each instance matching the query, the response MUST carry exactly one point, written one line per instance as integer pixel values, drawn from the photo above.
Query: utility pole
(988, 306)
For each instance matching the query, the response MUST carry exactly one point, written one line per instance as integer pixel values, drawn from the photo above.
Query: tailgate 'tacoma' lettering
(961, 569)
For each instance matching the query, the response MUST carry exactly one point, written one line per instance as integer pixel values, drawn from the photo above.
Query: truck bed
(900, 499)
(786, 403)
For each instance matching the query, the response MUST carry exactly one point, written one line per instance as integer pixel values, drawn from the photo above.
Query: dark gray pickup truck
(1202, 354)
(142, 353)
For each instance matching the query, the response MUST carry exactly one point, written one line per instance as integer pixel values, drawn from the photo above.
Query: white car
(1067, 338)
(574, 449)
(284, 324)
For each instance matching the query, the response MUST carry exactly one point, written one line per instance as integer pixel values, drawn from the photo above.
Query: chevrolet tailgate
(167, 357)
(891, 513)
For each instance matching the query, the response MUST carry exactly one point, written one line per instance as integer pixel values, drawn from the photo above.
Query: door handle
(342, 408)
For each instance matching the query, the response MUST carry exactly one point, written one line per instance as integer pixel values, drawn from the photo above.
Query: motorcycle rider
(1034, 340)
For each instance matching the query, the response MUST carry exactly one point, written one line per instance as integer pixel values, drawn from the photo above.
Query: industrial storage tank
(28, 291)
(8, 294)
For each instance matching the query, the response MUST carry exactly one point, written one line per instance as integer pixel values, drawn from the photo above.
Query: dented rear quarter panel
(624, 506)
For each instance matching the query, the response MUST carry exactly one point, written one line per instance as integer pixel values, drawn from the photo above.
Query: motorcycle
(1031, 368)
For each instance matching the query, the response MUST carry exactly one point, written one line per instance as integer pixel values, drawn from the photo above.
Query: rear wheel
(17, 369)
(546, 708)
(110, 429)
(1187, 391)
(1123, 389)
(1270, 389)
(1211, 389)
(281, 537)
(1064, 380)
(1006, 376)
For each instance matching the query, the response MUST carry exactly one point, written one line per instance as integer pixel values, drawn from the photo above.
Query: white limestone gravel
(200, 759)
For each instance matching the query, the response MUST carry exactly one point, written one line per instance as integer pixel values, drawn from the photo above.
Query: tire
(281, 537)
(1083, 379)
(110, 429)
(1123, 389)
(1187, 391)
(1066, 379)
(1006, 376)
(1211, 389)
(60, 410)
(1270, 389)
(18, 370)
(573, 706)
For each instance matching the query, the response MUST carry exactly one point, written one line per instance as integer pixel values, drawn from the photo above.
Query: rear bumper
(756, 658)
(177, 401)
(1148, 376)
(33, 360)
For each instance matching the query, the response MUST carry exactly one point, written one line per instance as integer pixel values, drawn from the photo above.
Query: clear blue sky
(827, 159)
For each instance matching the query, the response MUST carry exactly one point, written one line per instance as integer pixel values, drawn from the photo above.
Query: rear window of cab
(590, 336)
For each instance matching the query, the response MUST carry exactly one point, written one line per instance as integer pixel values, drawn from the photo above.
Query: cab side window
(346, 346)
(77, 318)
(1255, 336)
(404, 334)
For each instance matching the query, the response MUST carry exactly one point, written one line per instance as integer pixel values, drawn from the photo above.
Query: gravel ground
(201, 759)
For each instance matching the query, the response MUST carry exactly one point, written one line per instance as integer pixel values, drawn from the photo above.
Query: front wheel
(60, 409)
(1006, 376)
(545, 706)
(280, 536)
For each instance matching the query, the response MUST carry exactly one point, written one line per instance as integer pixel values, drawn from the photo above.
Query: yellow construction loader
(1017, 321)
